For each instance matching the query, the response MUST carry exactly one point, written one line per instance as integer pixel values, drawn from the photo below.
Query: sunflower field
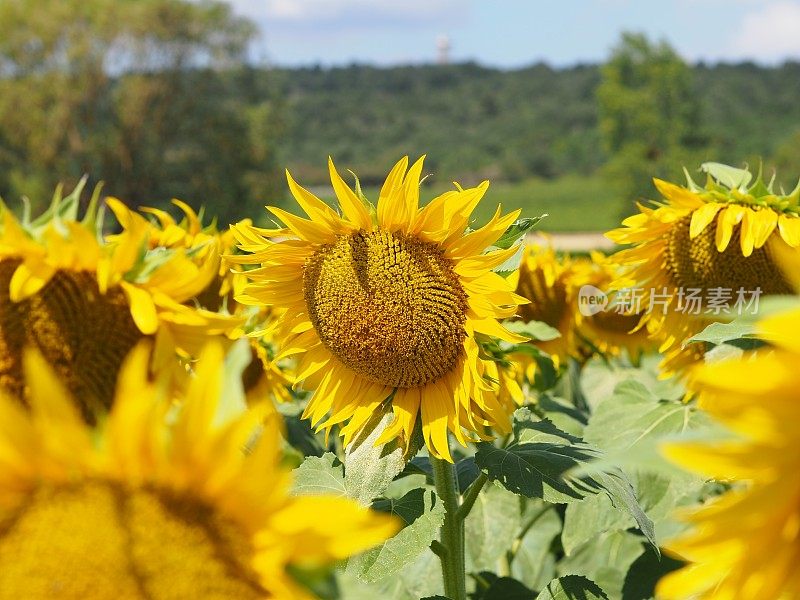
(385, 398)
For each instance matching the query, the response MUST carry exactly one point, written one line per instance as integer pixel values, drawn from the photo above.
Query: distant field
(572, 202)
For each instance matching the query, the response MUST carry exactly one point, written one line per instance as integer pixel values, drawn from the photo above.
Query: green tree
(149, 95)
(648, 114)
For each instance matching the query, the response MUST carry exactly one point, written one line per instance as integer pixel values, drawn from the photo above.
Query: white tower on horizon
(443, 49)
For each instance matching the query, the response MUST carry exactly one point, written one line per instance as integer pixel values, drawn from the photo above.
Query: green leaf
(622, 495)
(629, 426)
(572, 587)
(232, 397)
(423, 514)
(420, 579)
(541, 464)
(599, 378)
(605, 560)
(506, 588)
(644, 573)
(536, 330)
(583, 520)
(491, 527)
(517, 231)
(740, 333)
(409, 508)
(563, 414)
(528, 427)
(534, 562)
(511, 264)
(369, 469)
(534, 470)
(319, 476)
(730, 177)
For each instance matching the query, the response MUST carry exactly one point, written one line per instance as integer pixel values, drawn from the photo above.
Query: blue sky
(514, 33)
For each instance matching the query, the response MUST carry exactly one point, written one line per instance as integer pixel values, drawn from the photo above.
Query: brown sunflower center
(548, 303)
(83, 334)
(388, 306)
(614, 321)
(100, 540)
(697, 263)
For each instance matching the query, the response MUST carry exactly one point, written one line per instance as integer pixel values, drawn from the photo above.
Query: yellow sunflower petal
(728, 217)
(763, 223)
(29, 278)
(143, 309)
(789, 228)
(702, 217)
(352, 206)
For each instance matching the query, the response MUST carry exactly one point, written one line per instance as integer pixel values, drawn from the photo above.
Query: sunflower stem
(452, 533)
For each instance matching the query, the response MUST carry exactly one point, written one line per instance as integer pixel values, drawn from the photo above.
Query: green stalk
(452, 534)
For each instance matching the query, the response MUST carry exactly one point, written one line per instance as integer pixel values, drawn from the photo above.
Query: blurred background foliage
(158, 99)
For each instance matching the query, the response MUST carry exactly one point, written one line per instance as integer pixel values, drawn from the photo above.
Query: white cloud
(771, 33)
(325, 11)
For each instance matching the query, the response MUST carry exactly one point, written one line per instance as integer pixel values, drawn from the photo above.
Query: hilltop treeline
(476, 121)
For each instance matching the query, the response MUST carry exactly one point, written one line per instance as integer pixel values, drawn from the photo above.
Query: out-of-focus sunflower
(705, 248)
(745, 544)
(265, 379)
(385, 304)
(203, 243)
(614, 329)
(153, 505)
(547, 281)
(85, 301)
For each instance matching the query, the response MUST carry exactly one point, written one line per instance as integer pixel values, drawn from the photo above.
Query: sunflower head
(702, 251)
(84, 300)
(387, 304)
(157, 503)
(202, 243)
(615, 328)
(547, 281)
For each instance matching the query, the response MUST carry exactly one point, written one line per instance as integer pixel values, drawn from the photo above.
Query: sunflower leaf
(369, 469)
(545, 462)
(423, 514)
(517, 231)
(536, 330)
(321, 475)
(572, 587)
(730, 177)
(490, 527)
(534, 562)
(502, 588)
(740, 333)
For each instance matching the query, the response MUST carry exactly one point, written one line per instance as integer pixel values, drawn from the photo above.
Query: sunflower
(615, 329)
(704, 251)
(148, 506)
(547, 281)
(85, 301)
(746, 543)
(201, 243)
(386, 305)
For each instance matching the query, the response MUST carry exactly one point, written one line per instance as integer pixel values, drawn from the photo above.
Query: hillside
(476, 122)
